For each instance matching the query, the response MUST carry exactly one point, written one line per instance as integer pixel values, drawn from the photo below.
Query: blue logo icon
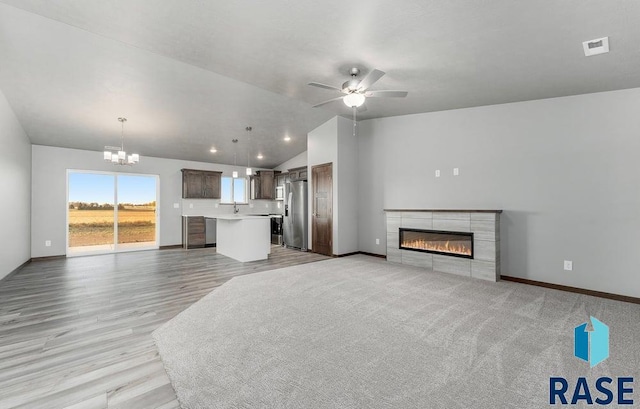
(591, 345)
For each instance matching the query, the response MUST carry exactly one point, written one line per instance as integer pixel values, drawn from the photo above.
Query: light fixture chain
(122, 134)
(122, 121)
(354, 121)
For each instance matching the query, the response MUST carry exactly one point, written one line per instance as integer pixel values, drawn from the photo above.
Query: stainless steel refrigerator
(295, 219)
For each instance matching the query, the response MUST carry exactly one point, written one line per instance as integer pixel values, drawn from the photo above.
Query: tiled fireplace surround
(484, 224)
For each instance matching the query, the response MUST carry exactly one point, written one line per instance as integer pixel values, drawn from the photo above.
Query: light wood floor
(77, 332)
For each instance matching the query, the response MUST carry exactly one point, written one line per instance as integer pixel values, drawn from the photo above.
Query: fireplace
(449, 243)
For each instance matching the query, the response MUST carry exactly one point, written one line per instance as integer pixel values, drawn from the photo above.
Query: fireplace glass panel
(456, 244)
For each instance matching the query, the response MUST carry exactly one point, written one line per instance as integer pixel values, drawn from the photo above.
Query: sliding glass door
(109, 212)
(91, 212)
(136, 211)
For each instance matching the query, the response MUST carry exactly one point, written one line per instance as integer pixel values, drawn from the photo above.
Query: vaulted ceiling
(191, 75)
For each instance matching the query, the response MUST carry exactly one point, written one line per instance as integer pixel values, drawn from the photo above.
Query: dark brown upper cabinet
(263, 185)
(298, 174)
(267, 184)
(200, 184)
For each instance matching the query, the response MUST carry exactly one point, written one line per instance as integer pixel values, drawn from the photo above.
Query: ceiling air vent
(595, 47)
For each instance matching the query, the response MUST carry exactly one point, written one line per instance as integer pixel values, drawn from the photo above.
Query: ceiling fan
(356, 90)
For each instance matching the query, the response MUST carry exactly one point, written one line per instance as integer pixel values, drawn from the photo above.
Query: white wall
(49, 194)
(565, 171)
(333, 142)
(347, 187)
(322, 147)
(295, 162)
(15, 179)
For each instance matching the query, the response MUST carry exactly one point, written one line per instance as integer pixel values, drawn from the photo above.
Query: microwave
(279, 192)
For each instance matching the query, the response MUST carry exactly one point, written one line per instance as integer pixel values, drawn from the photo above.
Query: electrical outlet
(216, 205)
(251, 205)
(266, 205)
(47, 243)
(437, 173)
(568, 265)
(190, 205)
(176, 205)
(456, 171)
(378, 242)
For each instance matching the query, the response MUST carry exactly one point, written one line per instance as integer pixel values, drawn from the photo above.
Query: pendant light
(234, 174)
(249, 170)
(116, 154)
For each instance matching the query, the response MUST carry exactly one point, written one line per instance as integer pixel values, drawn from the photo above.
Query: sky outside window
(97, 188)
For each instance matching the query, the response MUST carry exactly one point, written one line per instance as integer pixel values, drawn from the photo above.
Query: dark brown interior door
(322, 215)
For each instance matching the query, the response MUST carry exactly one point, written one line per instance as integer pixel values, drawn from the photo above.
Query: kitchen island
(243, 237)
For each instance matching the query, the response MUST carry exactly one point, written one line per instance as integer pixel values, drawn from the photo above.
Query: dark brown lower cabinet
(193, 232)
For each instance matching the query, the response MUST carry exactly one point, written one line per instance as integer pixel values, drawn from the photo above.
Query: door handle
(292, 212)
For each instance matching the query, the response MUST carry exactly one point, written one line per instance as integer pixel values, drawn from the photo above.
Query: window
(234, 190)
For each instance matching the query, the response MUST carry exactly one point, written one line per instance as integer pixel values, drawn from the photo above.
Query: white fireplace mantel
(484, 224)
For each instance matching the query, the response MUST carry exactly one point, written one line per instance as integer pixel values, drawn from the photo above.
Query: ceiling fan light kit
(356, 89)
(353, 100)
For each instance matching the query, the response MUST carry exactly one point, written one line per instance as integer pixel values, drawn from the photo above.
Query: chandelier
(117, 155)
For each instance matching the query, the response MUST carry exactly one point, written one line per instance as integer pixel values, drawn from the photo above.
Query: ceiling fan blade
(387, 94)
(326, 102)
(370, 79)
(325, 86)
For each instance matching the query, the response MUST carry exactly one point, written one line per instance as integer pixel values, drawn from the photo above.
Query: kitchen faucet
(235, 208)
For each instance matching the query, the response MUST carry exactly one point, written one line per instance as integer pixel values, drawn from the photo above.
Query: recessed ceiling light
(287, 138)
(260, 156)
(213, 150)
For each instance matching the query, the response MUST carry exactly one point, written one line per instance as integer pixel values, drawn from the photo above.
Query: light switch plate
(568, 265)
(251, 205)
(437, 173)
(47, 243)
(176, 205)
(378, 241)
(456, 171)
(190, 205)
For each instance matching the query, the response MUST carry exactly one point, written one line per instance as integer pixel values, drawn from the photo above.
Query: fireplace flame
(446, 247)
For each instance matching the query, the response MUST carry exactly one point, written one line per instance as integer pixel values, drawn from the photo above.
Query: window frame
(246, 190)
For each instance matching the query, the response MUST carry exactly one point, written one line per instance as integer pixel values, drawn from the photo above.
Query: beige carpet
(359, 332)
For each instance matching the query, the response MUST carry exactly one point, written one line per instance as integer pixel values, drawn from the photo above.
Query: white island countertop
(231, 216)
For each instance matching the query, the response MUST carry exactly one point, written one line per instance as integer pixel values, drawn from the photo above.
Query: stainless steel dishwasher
(210, 232)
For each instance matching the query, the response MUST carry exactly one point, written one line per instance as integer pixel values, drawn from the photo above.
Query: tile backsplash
(197, 207)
